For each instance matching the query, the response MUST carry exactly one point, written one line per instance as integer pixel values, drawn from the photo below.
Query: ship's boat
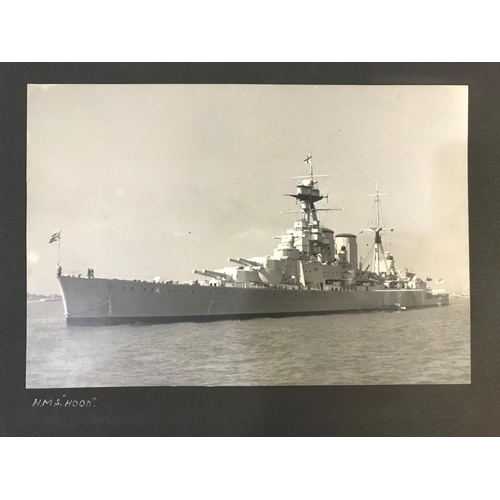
(311, 271)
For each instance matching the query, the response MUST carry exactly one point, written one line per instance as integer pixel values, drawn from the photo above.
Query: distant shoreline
(36, 297)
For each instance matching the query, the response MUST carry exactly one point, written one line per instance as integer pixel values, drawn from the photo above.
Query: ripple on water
(429, 346)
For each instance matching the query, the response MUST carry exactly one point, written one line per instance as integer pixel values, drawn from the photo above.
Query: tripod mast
(377, 223)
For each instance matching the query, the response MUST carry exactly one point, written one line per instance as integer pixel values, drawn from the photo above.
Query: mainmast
(377, 223)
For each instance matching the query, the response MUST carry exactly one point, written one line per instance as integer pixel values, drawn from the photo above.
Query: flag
(439, 281)
(429, 279)
(55, 237)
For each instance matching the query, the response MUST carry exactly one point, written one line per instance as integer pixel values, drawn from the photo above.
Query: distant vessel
(312, 271)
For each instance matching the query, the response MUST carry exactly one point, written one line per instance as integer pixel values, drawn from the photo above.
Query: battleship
(312, 271)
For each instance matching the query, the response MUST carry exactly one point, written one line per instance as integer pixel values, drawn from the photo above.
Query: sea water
(418, 346)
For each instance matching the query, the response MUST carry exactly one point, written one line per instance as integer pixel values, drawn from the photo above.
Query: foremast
(307, 233)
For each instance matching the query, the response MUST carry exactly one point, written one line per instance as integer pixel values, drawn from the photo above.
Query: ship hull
(96, 302)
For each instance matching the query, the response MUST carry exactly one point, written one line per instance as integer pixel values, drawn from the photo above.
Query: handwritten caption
(64, 402)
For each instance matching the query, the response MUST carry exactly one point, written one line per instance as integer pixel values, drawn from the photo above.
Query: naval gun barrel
(245, 262)
(211, 274)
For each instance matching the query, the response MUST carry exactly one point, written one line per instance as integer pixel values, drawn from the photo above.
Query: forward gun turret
(245, 262)
(212, 274)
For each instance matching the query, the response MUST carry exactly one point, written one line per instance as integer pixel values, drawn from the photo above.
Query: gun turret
(245, 262)
(211, 274)
(249, 262)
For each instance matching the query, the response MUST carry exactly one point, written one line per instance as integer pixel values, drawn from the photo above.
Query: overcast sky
(155, 180)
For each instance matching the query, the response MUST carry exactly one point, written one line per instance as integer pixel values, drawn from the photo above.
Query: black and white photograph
(247, 235)
(249, 241)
